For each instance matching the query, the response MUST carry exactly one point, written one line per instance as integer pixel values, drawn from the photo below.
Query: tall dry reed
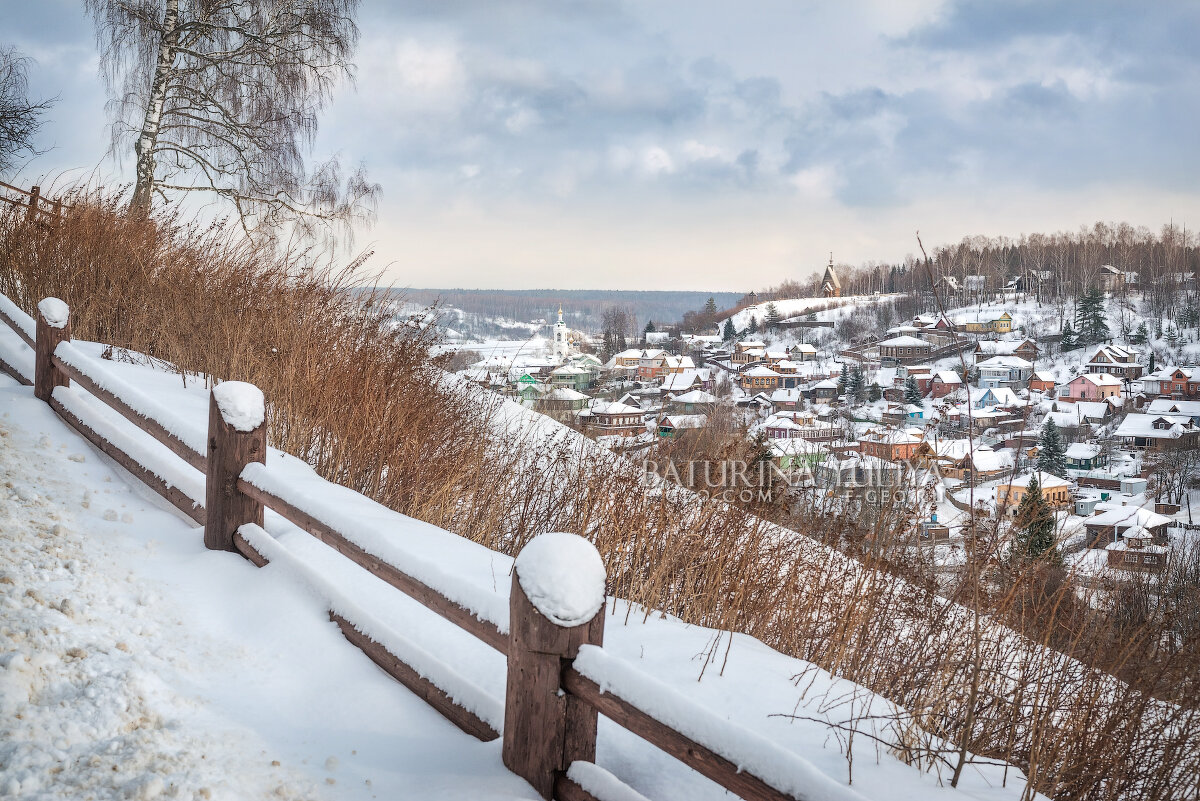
(359, 397)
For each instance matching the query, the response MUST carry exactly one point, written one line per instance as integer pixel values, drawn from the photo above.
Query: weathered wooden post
(237, 436)
(33, 201)
(53, 327)
(557, 605)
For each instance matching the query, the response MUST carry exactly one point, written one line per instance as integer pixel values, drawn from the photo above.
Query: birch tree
(222, 97)
(20, 117)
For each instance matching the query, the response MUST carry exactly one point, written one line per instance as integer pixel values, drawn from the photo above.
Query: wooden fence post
(53, 327)
(34, 192)
(237, 436)
(545, 728)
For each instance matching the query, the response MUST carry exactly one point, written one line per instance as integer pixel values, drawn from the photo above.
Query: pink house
(1092, 387)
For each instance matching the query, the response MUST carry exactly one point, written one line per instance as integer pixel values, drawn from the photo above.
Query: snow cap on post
(563, 577)
(242, 405)
(55, 312)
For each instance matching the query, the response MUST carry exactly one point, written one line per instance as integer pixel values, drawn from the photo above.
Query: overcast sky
(665, 144)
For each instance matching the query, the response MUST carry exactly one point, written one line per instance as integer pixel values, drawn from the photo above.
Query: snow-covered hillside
(826, 308)
(136, 664)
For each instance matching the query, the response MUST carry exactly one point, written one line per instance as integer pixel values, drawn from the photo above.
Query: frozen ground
(136, 664)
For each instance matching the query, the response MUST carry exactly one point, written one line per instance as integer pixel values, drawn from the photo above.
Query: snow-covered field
(790, 307)
(136, 664)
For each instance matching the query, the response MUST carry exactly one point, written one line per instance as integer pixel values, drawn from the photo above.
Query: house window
(1149, 560)
(1131, 558)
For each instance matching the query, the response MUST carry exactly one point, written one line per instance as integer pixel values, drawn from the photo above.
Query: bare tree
(223, 96)
(20, 117)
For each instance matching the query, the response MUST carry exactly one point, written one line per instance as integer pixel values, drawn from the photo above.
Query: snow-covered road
(136, 664)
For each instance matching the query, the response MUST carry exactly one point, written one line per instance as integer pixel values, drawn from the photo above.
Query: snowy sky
(718, 145)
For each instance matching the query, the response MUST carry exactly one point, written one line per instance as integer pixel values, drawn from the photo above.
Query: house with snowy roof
(1055, 491)
(1158, 431)
(1177, 383)
(903, 348)
(696, 401)
(1175, 407)
(1091, 387)
(1116, 360)
(944, 382)
(1136, 550)
(673, 426)
(1082, 456)
(1042, 381)
(1025, 349)
(613, 419)
(1004, 371)
(1112, 520)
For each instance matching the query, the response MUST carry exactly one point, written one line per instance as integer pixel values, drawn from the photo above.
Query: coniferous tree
(1172, 335)
(1035, 525)
(710, 307)
(874, 393)
(773, 316)
(728, 333)
(1090, 324)
(1052, 452)
(1141, 336)
(1158, 329)
(753, 329)
(649, 329)
(1069, 340)
(912, 392)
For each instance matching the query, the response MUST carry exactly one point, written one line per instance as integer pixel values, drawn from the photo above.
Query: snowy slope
(790, 307)
(191, 620)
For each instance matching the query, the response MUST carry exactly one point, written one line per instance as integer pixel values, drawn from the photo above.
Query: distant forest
(583, 309)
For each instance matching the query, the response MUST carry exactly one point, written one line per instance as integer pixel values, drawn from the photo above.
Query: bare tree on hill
(20, 117)
(223, 96)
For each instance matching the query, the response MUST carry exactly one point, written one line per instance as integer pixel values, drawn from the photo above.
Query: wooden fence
(551, 701)
(38, 208)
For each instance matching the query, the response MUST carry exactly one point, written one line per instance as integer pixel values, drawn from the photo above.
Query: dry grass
(358, 398)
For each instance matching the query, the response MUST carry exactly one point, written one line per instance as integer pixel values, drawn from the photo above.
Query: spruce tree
(860, 385)
(912, 393)
(649, 329)
(874, 393)
(1090, 324)
(606, 348)
(1069, 340)
(710, 307)
(1141, 336)
(1052, 452)
(728, 333)
(773, 316)
(1172, 335)
(753, 329)
(1035, 525)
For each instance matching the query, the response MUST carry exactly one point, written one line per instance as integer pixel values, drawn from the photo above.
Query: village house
(628, 359)
(1177, 383)
(1091, 387)
(1175, 407)
(673, 426)
(786, 400)
(683, 381)
(802, 352)
(613, 419)
(1083, 456)
(1042, 381)
(798, 425)
(759, 379)
(748, 351)
(673, 365)
(1025, 349)
(978, 465)
(856, 472)
(1135, 550)
(891, 445)
(944, 383)
(1115, 360)
(1109, 278)
(1111, 521)
(1001, 324)
(652, 364)
(904, 348)
(1055, 491)
(1157, 431)
(796, 453)
(562, 403)
(1004, 371)
(694, 402)
(569, 375)
(826, 390)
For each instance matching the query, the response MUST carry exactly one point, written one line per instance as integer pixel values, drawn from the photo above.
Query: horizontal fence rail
(37, 207)
(550, 707)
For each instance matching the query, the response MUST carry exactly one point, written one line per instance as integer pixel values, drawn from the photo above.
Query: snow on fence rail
(559, 677)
